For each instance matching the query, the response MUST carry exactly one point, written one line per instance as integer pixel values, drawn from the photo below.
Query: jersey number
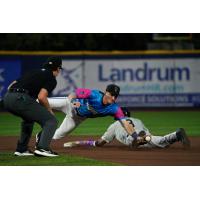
(130, 122)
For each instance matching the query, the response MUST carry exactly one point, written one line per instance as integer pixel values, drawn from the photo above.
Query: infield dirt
(118, 153)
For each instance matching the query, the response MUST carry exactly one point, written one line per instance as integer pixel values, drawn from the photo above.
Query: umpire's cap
(126, 111)
(53, 63)
(113, 90)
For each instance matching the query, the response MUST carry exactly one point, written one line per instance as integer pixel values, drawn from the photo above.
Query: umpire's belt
(18, 90)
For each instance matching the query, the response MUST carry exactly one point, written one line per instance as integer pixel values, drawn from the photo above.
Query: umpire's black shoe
(183, 138)
(45, 153)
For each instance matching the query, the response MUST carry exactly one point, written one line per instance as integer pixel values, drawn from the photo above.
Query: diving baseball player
(86, 103)
(144, 139)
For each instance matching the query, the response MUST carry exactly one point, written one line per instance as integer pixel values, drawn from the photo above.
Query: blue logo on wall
(69, 78)
(9, 71)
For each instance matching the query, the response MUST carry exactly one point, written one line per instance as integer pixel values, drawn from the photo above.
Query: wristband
(134, 135)
(91, 142)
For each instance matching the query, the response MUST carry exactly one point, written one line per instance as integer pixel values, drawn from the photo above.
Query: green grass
(159, 123)
(8, 159)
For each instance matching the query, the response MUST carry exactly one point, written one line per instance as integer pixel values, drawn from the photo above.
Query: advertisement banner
(9, 71)
(143, 82)
(70, 77)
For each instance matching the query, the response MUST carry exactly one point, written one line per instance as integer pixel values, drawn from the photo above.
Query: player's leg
(157, 141)
(60, 104)
(167, 140)
(69, 124)
(178, 135)
(160, 141)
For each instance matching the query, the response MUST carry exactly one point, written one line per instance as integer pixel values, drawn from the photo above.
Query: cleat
(183, 138)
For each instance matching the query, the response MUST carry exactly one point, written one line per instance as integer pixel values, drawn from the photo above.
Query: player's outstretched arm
(128, 126)
(80, 143)
(93, 143)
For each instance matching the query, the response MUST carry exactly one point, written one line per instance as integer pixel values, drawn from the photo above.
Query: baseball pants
(71, 120)
(117, 131)
(22, 105)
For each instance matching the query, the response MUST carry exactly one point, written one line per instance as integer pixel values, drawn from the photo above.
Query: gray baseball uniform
(116, 130)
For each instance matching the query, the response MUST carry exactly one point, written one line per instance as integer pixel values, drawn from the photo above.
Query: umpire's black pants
(22, 105)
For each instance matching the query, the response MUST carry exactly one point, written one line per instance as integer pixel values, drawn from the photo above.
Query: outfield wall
(146, 78)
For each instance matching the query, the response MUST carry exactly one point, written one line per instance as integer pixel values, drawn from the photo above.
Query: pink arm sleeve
(83, 93)
(119, 114)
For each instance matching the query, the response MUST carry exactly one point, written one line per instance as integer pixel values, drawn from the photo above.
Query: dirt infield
(117, 153)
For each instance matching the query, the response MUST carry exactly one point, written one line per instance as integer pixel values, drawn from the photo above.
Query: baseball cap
(53, 62)
(113, 90)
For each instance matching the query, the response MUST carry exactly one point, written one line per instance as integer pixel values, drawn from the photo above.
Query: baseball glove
(142, 139)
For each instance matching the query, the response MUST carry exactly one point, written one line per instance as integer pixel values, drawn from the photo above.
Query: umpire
(20, 100)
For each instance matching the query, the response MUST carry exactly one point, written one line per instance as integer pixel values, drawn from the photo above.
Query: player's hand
(76, 104)
(141, 139)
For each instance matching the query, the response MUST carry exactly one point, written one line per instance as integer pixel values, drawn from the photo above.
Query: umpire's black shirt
(35, 80)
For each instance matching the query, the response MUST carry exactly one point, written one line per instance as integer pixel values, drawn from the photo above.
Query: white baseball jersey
(116, 130)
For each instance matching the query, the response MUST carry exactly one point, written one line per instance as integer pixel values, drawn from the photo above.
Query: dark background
(98, 41)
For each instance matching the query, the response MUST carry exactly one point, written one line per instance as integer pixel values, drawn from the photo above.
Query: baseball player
(86, 103)
(144, 139)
